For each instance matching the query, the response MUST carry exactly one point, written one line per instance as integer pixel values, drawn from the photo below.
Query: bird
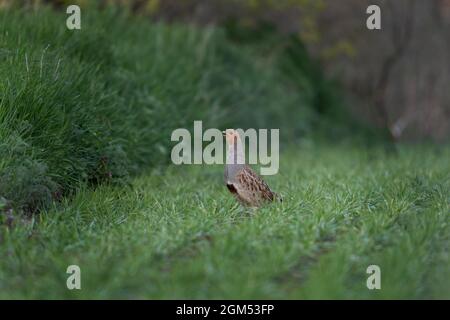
(244, 184)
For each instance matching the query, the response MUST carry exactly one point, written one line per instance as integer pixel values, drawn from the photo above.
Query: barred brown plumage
(248, 188)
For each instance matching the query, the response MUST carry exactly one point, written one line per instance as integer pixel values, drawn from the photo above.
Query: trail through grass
(179, 234)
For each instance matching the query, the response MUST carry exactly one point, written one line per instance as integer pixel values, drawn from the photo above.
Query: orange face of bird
(231, 135)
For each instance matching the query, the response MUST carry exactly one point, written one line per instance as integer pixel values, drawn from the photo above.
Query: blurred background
(395, 79)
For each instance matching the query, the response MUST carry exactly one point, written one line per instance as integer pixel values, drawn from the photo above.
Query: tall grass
(98, 104)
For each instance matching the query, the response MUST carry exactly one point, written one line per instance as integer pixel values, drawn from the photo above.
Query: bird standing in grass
(248, 188)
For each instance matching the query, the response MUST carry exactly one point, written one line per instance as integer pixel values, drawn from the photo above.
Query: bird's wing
(252, 183)
(241, 194)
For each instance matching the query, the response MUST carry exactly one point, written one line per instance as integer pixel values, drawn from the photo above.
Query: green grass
(179, 234)
(98, 105)
(85, 123)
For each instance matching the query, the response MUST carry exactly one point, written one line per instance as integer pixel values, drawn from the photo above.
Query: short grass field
(177, 233)
(86, 179)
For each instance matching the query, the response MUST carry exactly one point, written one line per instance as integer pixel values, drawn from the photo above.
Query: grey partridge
(245, 185)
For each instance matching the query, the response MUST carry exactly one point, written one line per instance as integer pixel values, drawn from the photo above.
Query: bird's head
(231, 135)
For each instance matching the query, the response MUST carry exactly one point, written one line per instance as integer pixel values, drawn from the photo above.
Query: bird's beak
(224, 133)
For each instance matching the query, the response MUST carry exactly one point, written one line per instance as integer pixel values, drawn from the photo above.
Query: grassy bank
(180, 234)
(97, 105)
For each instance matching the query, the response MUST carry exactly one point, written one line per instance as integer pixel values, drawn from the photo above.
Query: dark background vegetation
(398, 75)
(84, 106)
